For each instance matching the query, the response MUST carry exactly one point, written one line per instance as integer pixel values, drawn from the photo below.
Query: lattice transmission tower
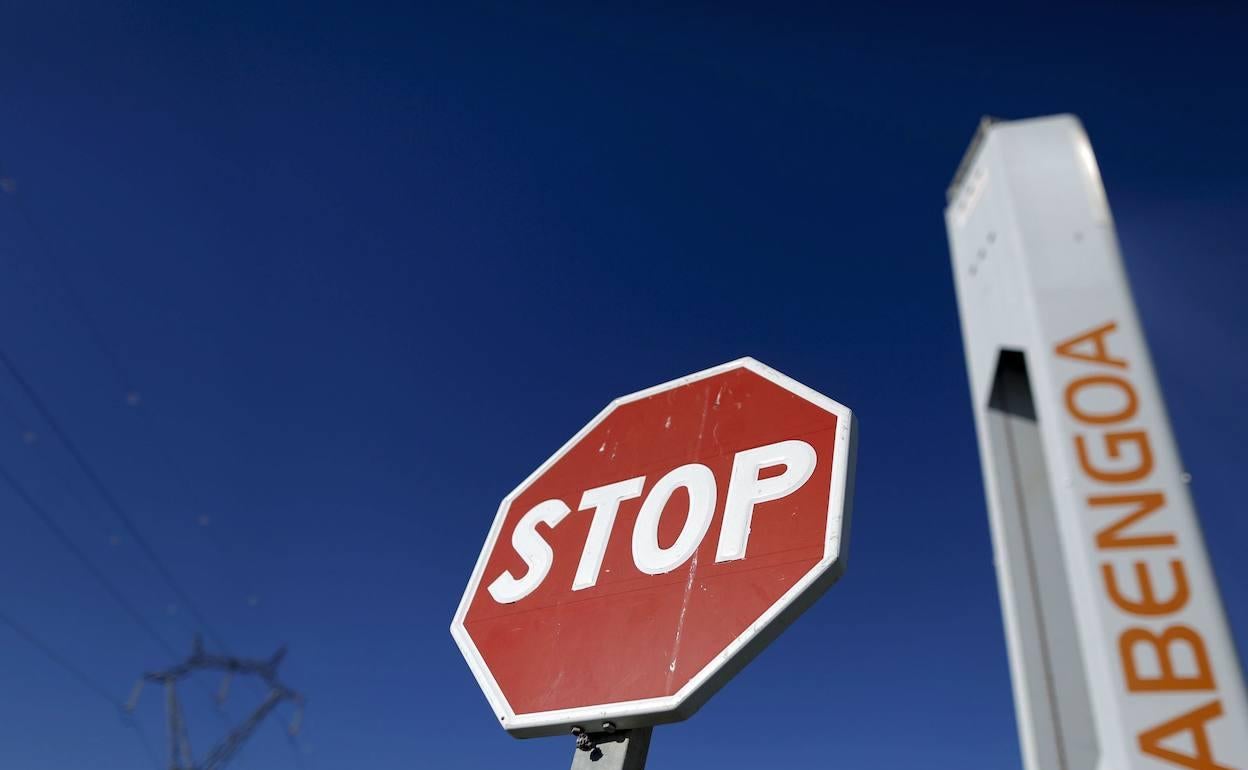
(180, 755)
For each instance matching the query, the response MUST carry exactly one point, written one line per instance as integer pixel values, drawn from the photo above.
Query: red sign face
(659, 550)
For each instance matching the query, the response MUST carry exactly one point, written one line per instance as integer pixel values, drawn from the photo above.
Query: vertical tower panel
(1120, 652)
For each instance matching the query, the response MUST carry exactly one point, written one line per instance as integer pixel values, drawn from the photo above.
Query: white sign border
(648, 711)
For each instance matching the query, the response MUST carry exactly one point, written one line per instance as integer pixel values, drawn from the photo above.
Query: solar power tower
(1120, 652)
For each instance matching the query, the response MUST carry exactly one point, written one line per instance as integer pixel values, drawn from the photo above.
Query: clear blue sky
(368, 265)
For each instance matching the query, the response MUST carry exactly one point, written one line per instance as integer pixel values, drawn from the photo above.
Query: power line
(110, 500)
(65, 540)
(81, 677)
(63, 537)
(50, 265)
(56, 278)
(30, 439)
(78, 674)
(127, 522)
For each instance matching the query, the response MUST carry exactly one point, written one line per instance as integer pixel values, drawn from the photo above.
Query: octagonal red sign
(660, 549)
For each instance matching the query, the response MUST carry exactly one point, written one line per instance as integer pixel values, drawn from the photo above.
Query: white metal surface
(1120, 652)
(641, 713)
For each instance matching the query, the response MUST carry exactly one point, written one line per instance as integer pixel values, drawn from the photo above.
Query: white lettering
(533, 548)
(606, 503)
(746, 489)
(700, 483)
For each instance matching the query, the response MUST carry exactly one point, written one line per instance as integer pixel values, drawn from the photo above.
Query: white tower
(1120, 653)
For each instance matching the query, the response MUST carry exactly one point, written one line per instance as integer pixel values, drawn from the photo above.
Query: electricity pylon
(180, 755)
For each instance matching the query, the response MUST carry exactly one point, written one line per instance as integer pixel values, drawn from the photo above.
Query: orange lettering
(1148, 604)
(1095, 339)
(1148, 502)
(1127, 411)
(1192, 722)
(1112, 443)
(1166, 680)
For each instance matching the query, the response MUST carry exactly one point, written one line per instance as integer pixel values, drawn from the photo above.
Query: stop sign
(660, 549)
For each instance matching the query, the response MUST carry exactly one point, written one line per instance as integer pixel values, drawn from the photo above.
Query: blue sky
(368, 265)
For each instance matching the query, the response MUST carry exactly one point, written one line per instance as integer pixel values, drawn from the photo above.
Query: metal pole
(612, 750)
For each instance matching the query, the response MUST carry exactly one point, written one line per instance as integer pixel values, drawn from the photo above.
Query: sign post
(647, 561)
(1120, 653)
(615, 750)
